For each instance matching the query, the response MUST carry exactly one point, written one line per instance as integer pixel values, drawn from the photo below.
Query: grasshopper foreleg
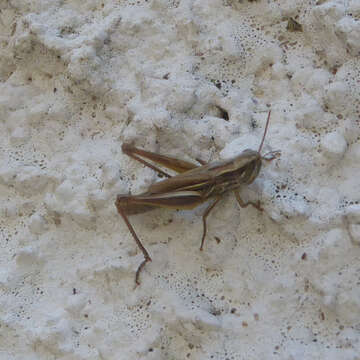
(246, 204)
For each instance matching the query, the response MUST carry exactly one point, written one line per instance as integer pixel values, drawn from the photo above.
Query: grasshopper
(192, 186)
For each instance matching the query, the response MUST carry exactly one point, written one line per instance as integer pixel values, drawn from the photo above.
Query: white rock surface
(191, 79)
(334, 145)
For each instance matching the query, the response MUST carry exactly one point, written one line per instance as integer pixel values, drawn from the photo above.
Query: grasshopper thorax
(249, 165)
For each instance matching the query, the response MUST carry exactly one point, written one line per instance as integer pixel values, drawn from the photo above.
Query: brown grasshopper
(192, 186)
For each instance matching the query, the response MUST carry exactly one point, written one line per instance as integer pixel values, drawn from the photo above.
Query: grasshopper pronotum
(192, 186)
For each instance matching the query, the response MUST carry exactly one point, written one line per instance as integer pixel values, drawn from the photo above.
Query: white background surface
(78, 78)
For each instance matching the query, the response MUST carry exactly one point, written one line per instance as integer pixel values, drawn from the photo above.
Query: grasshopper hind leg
(147, 257)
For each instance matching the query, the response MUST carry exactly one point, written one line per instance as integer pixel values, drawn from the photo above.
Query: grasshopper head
(251, 167)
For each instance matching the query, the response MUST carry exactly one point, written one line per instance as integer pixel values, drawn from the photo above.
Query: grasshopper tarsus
(258, 206)
(138, 271)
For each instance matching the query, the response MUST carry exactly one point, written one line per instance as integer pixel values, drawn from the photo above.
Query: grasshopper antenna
(266, 127)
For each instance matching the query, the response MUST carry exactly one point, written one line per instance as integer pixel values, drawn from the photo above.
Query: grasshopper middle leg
(206, 214)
